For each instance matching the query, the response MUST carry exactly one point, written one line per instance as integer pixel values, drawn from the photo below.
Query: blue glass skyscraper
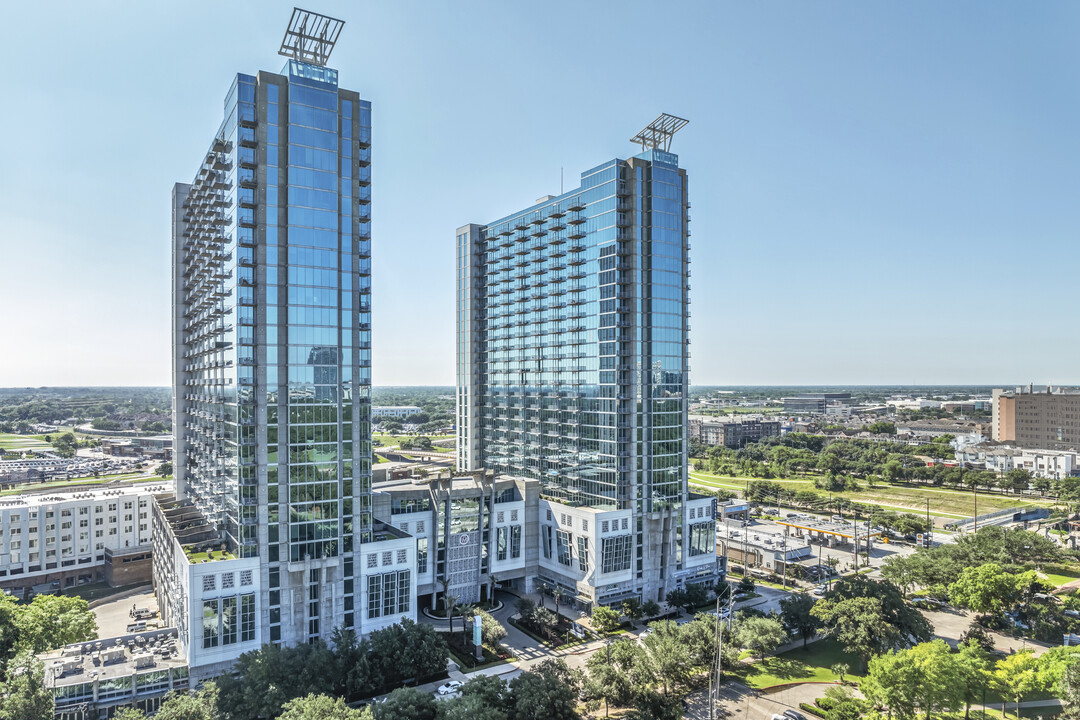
(572, 369)
(272, 366)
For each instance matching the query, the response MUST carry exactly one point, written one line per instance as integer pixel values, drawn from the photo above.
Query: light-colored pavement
(114, 617)
(949, 625)
(735, 700)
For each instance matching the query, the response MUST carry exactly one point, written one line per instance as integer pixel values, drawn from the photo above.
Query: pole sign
(476, 627)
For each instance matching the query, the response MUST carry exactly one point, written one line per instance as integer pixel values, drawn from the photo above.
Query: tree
(492, 631)
(546, 692)
(760, 635)
(870, 617)
(840, 669)
(199, 705)
(650, 705)
(925, 678)
(973, 663)
(469, 708)
(24, 695)
(632, 608)
(606, 682)
(524, 607)
(796, 616)
(545, 621)
(491, 690)
(406, 703)
(650, 609)
(976, 634)
(605, 619)
(267, 678)
(987, 588)
(164, 469)
(667, 655)
(53, 621)
(66, 445)
(1016, 676)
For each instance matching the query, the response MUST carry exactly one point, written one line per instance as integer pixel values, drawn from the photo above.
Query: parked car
(451, 687)
(819, 590)
(794, 715)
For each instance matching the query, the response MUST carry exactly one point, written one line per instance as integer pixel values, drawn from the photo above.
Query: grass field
(1059, 578)
(943, 502)
(809, 665)
(103, 480)
(9, 441)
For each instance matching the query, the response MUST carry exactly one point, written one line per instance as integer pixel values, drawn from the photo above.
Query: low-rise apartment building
(58, 540)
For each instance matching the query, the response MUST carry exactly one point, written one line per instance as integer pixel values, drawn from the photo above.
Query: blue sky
(882, 192)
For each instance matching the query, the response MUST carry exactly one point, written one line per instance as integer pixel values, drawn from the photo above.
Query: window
(563, 540)
(388, 593)
(702, 538)
(245, 577)
(616, 552)
(585, 525)
(499, 517)
(513, 516)
(419, 526)
(515, 541)
(566, 520)
(210, 622)
(387, 558)
(372, 560)
(228, 621)
(500, 543)
(247, 616)
(625, 522)
(604, 526)
(402, 555)
(546, 532)
(227, 580)
(583, 554)
(421, 555)
(208, 583)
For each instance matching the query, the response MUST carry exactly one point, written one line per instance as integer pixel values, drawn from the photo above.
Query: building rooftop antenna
(657, 134)
(310, 37)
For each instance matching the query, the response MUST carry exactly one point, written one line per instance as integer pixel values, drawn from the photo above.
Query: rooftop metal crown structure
(657, 134)
(310, 37)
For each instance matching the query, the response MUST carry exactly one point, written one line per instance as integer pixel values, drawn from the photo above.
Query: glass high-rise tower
(572, 370)
(272, 351)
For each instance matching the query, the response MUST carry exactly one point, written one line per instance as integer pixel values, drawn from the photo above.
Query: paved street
(738, 701)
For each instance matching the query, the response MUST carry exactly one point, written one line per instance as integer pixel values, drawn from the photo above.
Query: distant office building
(731, 433)
(398, 412)
(813, 403)
(1037, 418)
(57, 541)
(572, 370)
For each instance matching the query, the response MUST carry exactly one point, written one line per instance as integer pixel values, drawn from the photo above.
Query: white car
(819, 590)
(451, 687)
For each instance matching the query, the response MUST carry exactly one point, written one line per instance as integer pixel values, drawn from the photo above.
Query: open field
(103, 480)
(943, 502)
(392, 440)
(10, 441)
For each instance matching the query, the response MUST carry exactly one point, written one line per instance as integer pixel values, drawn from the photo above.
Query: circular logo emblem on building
(463, 539)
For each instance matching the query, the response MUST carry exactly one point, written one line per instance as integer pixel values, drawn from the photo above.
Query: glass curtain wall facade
(272, 339)
(572, 345)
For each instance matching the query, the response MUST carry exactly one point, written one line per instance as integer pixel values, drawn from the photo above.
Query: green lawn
(10, 441)
(1062, 577)
(943, 502)
(388, 440)
(810, 665)
(25, 487)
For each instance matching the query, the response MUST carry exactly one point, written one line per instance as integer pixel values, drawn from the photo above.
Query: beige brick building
(1037, 418)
